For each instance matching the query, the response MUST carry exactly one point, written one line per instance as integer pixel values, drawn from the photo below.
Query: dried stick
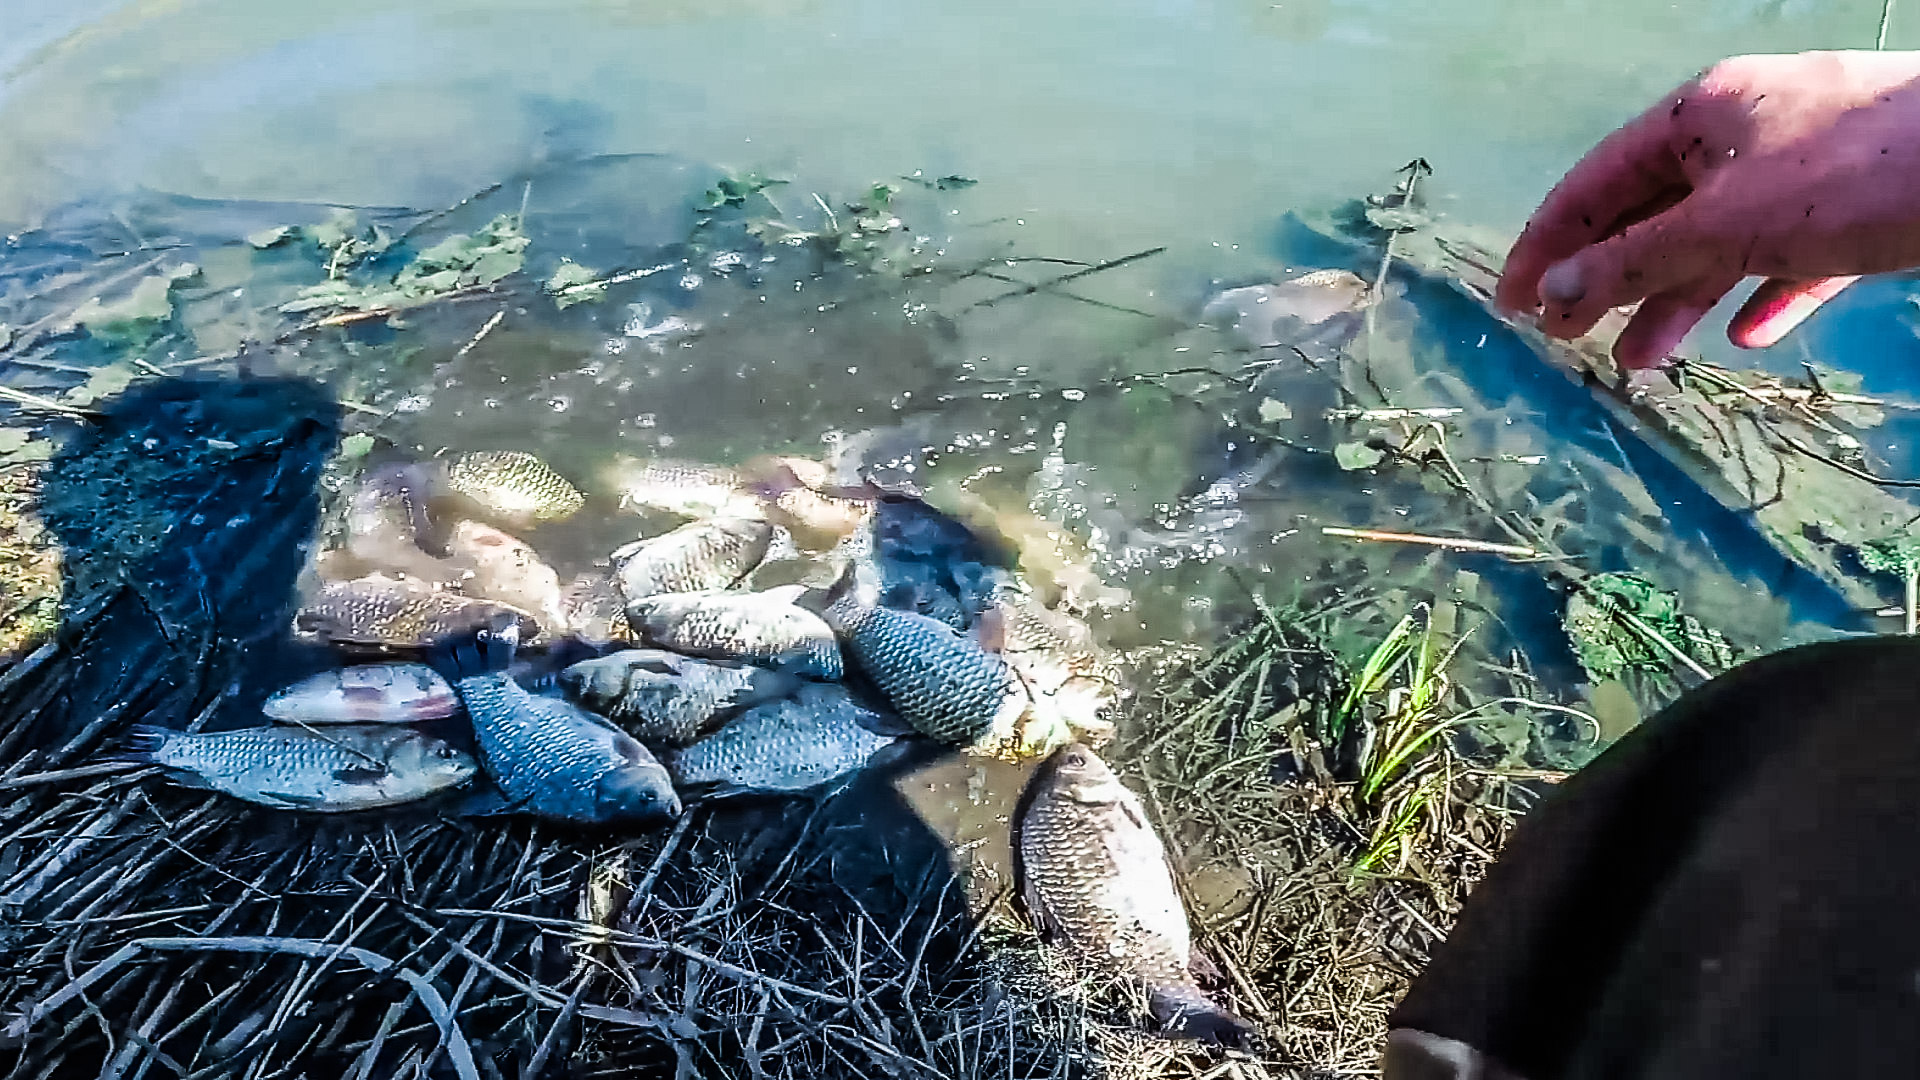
(458, 1049)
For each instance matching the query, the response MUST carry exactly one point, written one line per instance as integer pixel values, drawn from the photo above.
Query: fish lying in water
(761, 628)
(1095, 879)
(511, 485)
(941, 682)
(288, 768)
(1056, 657)
(705, 555)
(381, 611)
(549, 757)
(593, 608)
(798, 494)
(502, 568)
(1322, 309)
(365, 694)
(933, 564)
(386, 518)
(792, 744)
(686, 488)
(665, 699)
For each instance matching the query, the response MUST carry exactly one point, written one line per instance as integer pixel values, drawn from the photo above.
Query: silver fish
(799, 495)
(686, 488)
(503, 568)
(593, 608)
(704, 555)
(1323, 308)
(382, 611)
(944, 684)
(512, 485)
(1094, 877)
(289, 768)
(794, 744)
(365, 694)
(549, 757)
(762, 628)
(666, 699)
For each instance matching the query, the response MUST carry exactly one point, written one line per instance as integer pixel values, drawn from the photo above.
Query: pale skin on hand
(1803, 170)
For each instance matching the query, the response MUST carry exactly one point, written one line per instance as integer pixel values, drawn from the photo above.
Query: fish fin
(485, 651)
(287, 800)
(990, 630)
(1203, 967)
(361, 774)
(884, 723)
(785, 594)
(1184, 1012)
(485, 802)
(143, 742)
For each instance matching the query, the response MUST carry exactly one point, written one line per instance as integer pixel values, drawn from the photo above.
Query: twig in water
(35, 401)
(1456, 543)
(1886, 17)
(1392, 414)
(1096, 268)
(485, 329)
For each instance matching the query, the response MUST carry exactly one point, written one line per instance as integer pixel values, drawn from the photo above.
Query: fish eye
(1076, 760)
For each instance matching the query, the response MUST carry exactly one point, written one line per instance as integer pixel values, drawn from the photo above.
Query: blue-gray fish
(665, 699)
(940, 681)
(705, 555)
(548, 756)
(1095, 878)
(365, 694)
(289, 768)
(512, 485)
(762, 628)
(793, 744)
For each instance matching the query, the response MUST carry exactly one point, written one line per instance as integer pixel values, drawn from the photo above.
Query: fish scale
(513, 484)
(383, 611)
(794, 744)
(547, 755)
(702, 556)
(1095, 878)
(664, 698)
(762, 628)
(943, 684)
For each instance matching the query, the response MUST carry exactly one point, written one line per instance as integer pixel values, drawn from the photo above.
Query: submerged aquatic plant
(1898, 555)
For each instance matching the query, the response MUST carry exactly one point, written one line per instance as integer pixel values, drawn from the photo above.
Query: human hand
(1801, 169)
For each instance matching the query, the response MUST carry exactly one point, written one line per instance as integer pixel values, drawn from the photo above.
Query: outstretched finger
(1667, 253)
(1657, 328)
(1778, 306)
(1631, 175)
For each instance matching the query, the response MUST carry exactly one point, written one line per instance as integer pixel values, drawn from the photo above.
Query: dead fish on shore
(932, 563)
(511, 485)
(941, 682)
(665, 699)
(386, 518)
(593, 608)
(702, 556)
(686, 488)
(333, 771)
(504, 568)
(1318, 309)
(549, 757)
(1096, 881)
(793, 744)
(1056, 657)
(763, 628)
(381, 611)
(365, 694)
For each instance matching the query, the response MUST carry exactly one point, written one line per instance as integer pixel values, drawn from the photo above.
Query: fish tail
(143, 742)
(485, 651)
(1185, 1012)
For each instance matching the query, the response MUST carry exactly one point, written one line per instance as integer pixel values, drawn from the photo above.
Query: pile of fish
(773, 633)
(768, 630)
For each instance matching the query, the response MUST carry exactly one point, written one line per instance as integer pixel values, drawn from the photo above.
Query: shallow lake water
(1183, 141)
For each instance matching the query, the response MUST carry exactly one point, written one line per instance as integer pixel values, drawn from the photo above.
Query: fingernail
(1562, 285)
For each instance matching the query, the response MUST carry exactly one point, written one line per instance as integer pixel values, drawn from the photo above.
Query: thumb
(1664, 254)
(1778, 306)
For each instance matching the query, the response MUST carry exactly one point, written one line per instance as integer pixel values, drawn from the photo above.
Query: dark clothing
(1732, 890)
